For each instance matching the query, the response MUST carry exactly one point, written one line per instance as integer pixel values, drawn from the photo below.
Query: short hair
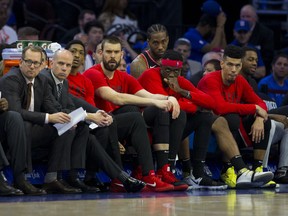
(172, 55)
(247, 48)
(86, 11)
(277, 56)
(156, 28)
(233, 51)
(27, 30)
(111, 39)
(215, 62)
(182, 41)
(33, 49)
(70, 43)
(94, 23)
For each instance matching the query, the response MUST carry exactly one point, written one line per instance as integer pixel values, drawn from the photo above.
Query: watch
(188, 95)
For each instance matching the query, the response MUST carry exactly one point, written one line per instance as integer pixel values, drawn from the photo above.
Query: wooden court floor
(262, 202)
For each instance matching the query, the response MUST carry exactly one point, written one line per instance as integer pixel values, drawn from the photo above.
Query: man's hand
(257, 130)
(176, 107)
(163, 104)
(173, 84)
(101, 118)
(3, 105)
(59, 117)
(261, 112)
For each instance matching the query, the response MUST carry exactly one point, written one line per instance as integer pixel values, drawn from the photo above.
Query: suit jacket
(14, 88)
(67, 101)
(64, 103)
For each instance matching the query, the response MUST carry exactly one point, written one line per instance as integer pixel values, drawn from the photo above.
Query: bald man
(262, 37)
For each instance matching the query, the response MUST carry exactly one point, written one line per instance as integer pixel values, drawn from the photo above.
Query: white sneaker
(204, 183)
(248, 179)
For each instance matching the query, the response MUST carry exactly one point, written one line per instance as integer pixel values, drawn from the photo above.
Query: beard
(109, 66)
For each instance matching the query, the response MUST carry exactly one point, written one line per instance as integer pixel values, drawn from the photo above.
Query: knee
(219, 124)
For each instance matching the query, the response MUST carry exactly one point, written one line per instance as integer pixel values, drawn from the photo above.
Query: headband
(172, 63)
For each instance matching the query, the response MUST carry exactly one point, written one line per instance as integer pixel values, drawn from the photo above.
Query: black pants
(97, 157)
(43, 141)
(200, 123)
(131, 127)
(13, 139)
(108, 138)
(164, 128)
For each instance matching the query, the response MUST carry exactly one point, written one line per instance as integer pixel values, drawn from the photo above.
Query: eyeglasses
(30, 62)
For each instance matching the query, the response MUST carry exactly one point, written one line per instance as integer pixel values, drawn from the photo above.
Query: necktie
(29, 95)
(59, 90)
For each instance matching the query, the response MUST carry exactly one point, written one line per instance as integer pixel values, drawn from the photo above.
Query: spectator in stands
(239, 105)
(114, 89)
(242, 33)
(207, 27)
(262, 37)
(95, 33)
(122, 66)
(206, 57)
(84, 17)
(7, 34)
(190, 67)
(158, 39)
(276, 84)
(28, 33)
(117, 12)
(211, 65)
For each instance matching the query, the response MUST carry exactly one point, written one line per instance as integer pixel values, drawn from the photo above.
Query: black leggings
(200, 123)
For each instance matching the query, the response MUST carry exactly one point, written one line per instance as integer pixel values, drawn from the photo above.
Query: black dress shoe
(95, 182)
(29, 189)
(7, 190)
(133, 185)
(77, 183)
(58, 187)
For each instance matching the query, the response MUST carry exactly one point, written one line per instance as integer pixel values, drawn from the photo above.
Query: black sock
(162, 158)
(226, 166)
(186, 167)
(198, 168)
(256, 164)
(238, 163)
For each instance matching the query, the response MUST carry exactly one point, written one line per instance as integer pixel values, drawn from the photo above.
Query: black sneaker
(281, 175)
(204, 183)
(95, 182)
(133, 185)
(77, 183)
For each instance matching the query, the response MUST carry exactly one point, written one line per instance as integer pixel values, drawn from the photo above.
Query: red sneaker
(154, 184)
(168, 177)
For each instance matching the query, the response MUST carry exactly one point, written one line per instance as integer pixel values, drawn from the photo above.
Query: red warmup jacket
(151, 80)
(239, 97)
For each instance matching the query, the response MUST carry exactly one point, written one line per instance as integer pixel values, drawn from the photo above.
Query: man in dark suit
(13, 141)
(96, 156)
(36, 106)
